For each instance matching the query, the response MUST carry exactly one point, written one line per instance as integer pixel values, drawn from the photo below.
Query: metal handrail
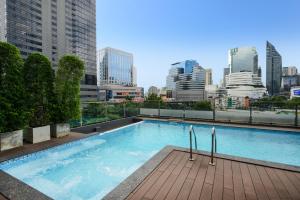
(192, 132)
(213, 145)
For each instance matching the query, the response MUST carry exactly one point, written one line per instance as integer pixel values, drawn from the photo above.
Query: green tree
(39, 80)
(13, 113)
(202, 105)
(67, 88)
(153, 101)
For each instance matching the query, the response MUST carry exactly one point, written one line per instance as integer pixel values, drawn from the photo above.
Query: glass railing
(265, 114)
(97, 112)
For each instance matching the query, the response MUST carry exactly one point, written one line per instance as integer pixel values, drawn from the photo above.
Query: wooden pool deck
(178, 178)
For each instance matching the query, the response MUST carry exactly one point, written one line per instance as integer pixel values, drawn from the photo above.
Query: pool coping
(126, 187)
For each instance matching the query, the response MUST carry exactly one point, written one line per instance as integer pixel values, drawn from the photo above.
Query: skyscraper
(225, 73)
(54, 28)
(208, 77)
(115, 67)
(173, 76)
(243, 59)
(273, 69)
(117, 75)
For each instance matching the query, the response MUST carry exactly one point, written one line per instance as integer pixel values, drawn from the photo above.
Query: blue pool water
(91, 167)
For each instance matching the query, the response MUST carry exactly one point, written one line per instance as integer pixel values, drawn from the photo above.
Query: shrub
(39, 78)
(67, 88)
(13, 113)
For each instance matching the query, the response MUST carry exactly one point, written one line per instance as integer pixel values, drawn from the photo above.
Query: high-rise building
(134, 76)
(115, 67)
(208, 77)
(187, 65)
(243, 59)
(153, 90)
(290, 78)
(273, 69)
(191, 86)
(173, 76)
(54, 28)
(225, 73)
(245, 84)
(289, 71)
(117, 75)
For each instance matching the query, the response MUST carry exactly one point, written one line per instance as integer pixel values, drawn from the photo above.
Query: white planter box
(60, 130)
(11, 140)
(38, 134)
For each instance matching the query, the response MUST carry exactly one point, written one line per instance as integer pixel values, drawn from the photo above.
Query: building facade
(225, 73)
(172, 77)
(115, 67)
(153, 90)
(54, 28)
(273, 69)
(117, 76)
(191, 86)
(289, 71)
(245, 84)
(243, 59)
(208, 77)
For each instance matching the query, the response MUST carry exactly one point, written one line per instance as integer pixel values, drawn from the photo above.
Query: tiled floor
(178, 178)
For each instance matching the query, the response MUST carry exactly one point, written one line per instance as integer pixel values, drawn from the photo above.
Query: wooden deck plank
(186, 189)
(140, 193)
(270, 189)
(164, 190)
(199, 181)
(287, 183)
(238, 187)
(178, 178)
(258, 185)
(174, 191)
(228, 194)
(280, 188)
(228, 181)
(247, 181)
(206, 191)
(294, 179)
(210, 175)
(188, 184)
(217, 192)
(171, 157)
(195, 167)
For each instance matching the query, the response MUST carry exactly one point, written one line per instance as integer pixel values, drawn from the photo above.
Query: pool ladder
(192, 133)
(213, 144)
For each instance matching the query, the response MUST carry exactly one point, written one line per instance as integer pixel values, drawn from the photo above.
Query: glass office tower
(115, 67)
(243, 59)
(54, 28)
(274, 69)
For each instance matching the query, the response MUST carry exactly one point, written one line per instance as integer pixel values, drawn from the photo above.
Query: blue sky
(161, 32)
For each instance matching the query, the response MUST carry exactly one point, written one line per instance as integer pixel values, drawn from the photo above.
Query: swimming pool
(91, 167)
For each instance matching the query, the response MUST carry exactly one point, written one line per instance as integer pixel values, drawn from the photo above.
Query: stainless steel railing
(213, 145)
(192, 133)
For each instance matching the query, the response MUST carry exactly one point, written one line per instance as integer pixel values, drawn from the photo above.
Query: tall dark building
(274, 69)
(54, 28)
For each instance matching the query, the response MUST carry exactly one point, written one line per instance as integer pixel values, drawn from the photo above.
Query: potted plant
(39, 82)
(13, 115)
(67, 91)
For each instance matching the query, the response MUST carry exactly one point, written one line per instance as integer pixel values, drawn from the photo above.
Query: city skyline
(160, 40)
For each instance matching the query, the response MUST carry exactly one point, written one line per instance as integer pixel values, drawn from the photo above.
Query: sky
(161, 32)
